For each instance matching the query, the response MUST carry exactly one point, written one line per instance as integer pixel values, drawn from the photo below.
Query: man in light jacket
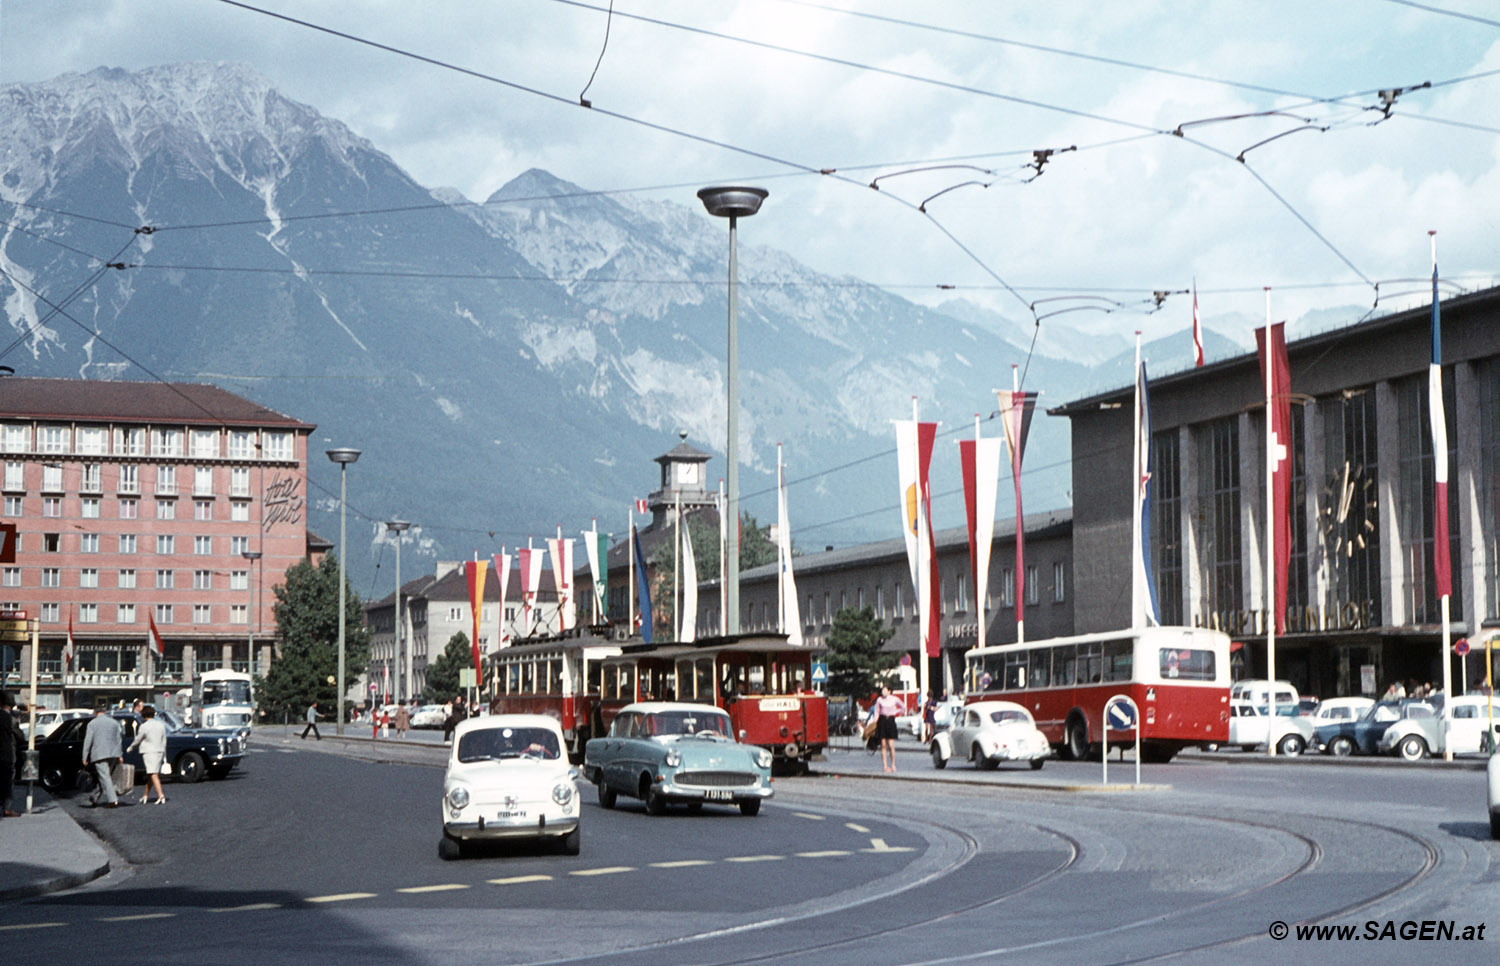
(102, 751)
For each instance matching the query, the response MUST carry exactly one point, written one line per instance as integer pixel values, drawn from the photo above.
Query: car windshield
(1005, 717)
(170, 719)
(494, 744)
(688, 723)
(1384, 711)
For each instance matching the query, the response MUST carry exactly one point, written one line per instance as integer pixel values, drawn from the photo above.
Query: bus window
(1117, 660)
(993, 676)
(1063, 660)
(1184, 664)
(611, 682)
(685, 691)
(627, 683)
(1015, 671)
(799, 679)
(513, 678)
(703, 679)
(1040, 675)
(756, 683)
(554, 676)
(1090, 663)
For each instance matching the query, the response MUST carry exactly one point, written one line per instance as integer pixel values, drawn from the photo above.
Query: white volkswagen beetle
(509, 778)
(989, 732)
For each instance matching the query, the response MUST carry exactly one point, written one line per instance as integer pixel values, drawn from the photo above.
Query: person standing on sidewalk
(11, 742)
(403, 721)
(102, 751)
(887, 708)
(152, 740)
(312, 721)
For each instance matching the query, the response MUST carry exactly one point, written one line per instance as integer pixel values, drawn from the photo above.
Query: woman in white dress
(152, 740)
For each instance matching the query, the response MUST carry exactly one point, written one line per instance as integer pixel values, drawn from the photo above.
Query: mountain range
(507, 366)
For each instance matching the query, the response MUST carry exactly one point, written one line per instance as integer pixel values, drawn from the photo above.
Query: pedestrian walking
(102, 750)
(312, 721)
(152, 740)
(929, 716)
(11, 742)
(887, 708)
(403, 721)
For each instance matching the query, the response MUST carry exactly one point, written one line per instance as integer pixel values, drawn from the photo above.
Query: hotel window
(200, 614)
(1059, 588)
(166, 442)
(54, 439)
(130, 442)
(88, 613)
(278, 446)
(239, 580)
(89, 508)
(15, 439)
(203, 546)
(239, 512)
(14, 506)
(239, 614)
(164, 614)
(51, 478)
(166, 480)
(166, 544)
(1032, 594)
(91, 479)
(203, 510)
(241, 444)
(130, 478)
(166, 579)
(15, 475)
(238, 545)
(51, 613)
(88, 543)
(1416, 495)
(203, 481)
(129, 510)
(51, 577)
(51, 506)
(126, 580)
(239, 481)
(88, 577)
(166, 510)
(1007, 588)
(51, 543)
(125, 614)
(91, 440)
(10, 577)
(205, 444)
(203, 580)
(127, 543)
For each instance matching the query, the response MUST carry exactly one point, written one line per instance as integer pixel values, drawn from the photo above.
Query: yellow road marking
(252, 907)
(606, 870)
(144, 915)
(519, 879)
(878, 845)
(815, 818)
(755, 858)
(822, 855)
(680, 864)
(341, 897)
(31, 925)
(857, 828)
(433, 888)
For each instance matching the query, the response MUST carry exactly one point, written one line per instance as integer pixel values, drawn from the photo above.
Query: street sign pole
(1127, 717)
(31, 712)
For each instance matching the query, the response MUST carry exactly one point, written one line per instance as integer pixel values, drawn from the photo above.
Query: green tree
(856, 662)
(307, 623)
(442, 674)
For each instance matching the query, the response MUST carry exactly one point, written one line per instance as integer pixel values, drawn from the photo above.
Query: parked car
(428, 716)
(1331, 710)
(1494, 796)
(1251, 728)
(1363, 735)
(668, 752)
(1419, 731)
(193, 753)
(509, 778)
(48, 720)
(989, 732)
(1335, 723)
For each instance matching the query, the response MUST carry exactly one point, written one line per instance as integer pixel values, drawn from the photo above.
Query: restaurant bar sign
(1349, 616)
(14, 627)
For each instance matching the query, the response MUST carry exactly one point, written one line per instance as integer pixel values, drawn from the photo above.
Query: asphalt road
(311, 855)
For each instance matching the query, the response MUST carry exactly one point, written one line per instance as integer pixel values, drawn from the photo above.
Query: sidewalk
(45, 851)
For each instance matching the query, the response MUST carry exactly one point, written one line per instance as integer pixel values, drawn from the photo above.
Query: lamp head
(732, 202)
(398, 526)
(343, 455)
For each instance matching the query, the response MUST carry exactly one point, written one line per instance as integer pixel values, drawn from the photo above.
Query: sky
(1308, 195)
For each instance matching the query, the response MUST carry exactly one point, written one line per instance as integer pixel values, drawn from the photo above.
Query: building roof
(684, 452)
(186, 403)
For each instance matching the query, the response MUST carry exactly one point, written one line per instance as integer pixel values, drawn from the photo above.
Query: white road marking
(822, 855)
(857, 828)
(519, 879)
(755, 858)
(451, 886)
(252, 907)
(878, 845)
(606, 870)
(809, 815)
(680, 864)
(144, 915)
(31, 925)
(341, 897)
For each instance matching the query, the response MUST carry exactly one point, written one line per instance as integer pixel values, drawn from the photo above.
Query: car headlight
(458, 796)
(562, 793)
(762, 758)
(673, 758)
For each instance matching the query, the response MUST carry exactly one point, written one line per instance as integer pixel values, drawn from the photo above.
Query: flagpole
(978, 590)
(1270, 469)
(922, 604)
(630, 571)
(1137, 605)
(723, 562)
(1438, 419)
(780, 558)
(1015, 386)
(677, 568)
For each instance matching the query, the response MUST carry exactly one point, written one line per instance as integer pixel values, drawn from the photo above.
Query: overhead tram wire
(1442, 11)
(105, 264)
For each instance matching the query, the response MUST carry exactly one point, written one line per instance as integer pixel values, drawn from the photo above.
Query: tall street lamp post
(252, 556)
(343, 457)
(734, 204)
(403, 659)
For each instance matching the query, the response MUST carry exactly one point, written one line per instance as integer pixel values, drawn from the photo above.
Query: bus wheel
(1077, 740)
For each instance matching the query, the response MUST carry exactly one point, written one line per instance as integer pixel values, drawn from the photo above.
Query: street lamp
(734, 204)
(252, 556)
(343, 457)
(403, 661)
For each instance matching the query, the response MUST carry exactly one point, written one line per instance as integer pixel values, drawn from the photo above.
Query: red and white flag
(1442, 568)
(979, 459)
(68, 647)
(1197, 329)
(1277, 379)
(531, 582)
(474, 574)
(1015, 416)
(562, 575)
(640, 506)
(502, 573)
(913, 458)
(156, 644)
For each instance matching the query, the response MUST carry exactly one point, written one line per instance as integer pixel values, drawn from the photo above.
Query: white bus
(223, 699)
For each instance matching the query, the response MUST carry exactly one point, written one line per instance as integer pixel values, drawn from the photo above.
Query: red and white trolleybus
(1177, 676)
(556, 676)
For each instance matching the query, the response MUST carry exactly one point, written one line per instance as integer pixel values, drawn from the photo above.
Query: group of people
(1398, 690)
(381, 719)
(103, 752)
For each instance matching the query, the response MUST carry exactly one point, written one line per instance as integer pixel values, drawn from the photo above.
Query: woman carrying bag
(152, 740)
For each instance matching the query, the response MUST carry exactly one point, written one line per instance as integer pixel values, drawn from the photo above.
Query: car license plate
(719, 794)
(505, 816)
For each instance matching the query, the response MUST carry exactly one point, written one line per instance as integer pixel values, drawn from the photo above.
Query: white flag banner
(591, 550)
(531, 580)
(689, 588)
(987, 453)
(906, 469)
(562, 575)
(502, 573)
(791, 617)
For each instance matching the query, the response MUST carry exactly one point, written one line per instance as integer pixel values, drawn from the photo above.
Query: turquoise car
(672, 753)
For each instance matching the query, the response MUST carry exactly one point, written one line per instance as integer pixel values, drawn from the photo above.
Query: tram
(556, 676)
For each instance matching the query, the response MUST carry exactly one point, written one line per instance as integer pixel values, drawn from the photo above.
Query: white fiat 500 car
(509, 778)
(989, 732)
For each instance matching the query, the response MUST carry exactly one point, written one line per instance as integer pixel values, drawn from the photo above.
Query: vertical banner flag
(1146, 466)
(643, 587)
(502, 574)
(913, 458)
(980, 461)
(640, 506)
(1275, 370)
(474, 573)
(385, 681)
(562, 575)
(1442, 567)
(1015, 417)
(596, 548)
(788, 614)
(689, 587)
(1197, 329)
(68, 647)
(156, 645)
(531, 581)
